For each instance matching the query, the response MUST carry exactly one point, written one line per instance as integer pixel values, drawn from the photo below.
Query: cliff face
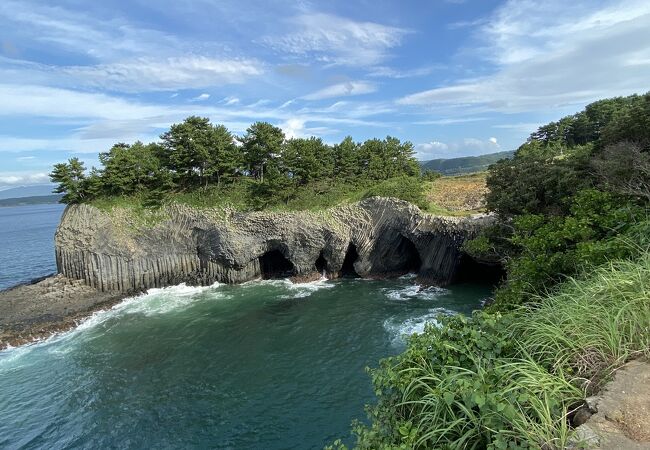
(375, 237)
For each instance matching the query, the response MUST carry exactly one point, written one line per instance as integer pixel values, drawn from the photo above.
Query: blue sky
(455, 77)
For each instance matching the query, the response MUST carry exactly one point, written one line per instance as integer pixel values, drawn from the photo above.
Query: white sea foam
(413, 291)
(163, 300)
(298, 290)
(302, 290)
(154, 301)
(399, 329)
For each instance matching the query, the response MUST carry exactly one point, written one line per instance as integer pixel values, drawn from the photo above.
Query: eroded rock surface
(35, 311)
(622, 412)
(373, 238)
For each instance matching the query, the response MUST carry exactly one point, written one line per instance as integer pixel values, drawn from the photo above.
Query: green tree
(262, 145)
(307, 160)
(224, 157)
(188, 146)
(346, 159)
(71, 180)
(129, 169)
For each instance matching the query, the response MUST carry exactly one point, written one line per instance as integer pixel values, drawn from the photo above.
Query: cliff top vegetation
(205, 165)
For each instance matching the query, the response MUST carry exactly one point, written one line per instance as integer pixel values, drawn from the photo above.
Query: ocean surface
(27, 242)
(262, 365)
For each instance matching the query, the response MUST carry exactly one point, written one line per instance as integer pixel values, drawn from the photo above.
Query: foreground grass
(511, 381)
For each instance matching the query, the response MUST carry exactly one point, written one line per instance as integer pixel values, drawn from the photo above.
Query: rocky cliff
(375, 237)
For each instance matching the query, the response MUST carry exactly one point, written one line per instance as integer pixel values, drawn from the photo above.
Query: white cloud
(390, 72)
(230, 101)
(450, 121)
(8, 179)
(201, 97)
(552, 55)
(465, 147)
(181, 72)
(293, 127)
(117, 54)
(337, 40)
(345, 89)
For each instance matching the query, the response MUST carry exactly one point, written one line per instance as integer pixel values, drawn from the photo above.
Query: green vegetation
(203, 164)
(567, 194)
(574, 236)
(511, 380)
(463, 165)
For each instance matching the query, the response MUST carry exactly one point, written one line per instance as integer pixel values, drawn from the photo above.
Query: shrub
(511, 380)
(410, 189)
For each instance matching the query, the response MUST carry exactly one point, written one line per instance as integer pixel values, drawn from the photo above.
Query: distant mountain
(27, 191)
(33, 200)
(466, 164)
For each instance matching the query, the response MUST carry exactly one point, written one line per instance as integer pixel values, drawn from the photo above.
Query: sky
(454, 77)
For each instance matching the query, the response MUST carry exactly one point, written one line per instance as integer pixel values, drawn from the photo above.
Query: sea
(267, 364)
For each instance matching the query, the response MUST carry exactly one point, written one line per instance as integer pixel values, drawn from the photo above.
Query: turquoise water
(264, 365)
(27, 242)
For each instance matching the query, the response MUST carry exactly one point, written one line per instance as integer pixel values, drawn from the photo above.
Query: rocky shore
(103, 257)
(36, 311)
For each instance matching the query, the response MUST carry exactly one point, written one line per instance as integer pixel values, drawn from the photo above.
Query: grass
(513, 380)
(591, 326)
(456, 195)
(450, 196)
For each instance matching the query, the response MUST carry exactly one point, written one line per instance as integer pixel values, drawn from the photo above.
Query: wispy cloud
(345, 89)
(9, 179)
(465, 147)
(450, 121)
(390, 72)
(548, 58)
(337, 40)
(182, 72)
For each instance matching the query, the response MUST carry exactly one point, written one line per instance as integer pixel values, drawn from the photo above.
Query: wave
(152, 302)
(414, 291)
(297, 290)
(400, 329)
(163, 300)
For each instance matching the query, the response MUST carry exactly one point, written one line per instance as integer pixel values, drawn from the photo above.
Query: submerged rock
(376, 237)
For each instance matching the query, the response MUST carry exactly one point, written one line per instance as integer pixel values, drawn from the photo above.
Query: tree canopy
(195, 154)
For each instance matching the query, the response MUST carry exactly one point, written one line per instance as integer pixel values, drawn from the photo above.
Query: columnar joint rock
(379, 237)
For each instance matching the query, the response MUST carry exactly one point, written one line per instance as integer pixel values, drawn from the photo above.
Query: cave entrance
(351, 256)
(409, 255)
(321, 264)
(273, 264)
(470, 270)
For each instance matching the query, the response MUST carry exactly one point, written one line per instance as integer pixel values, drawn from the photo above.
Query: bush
(409, 189)
(549, 248)
(511, 380)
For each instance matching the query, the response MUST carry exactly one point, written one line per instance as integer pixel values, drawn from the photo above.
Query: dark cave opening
(321, 264)
(273, 264)
(409, 255)
(470, 270)
(351, 256)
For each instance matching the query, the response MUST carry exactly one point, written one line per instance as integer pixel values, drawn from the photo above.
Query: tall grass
(512, 381)
(590, 326)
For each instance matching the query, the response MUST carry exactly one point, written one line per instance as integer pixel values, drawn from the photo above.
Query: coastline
(40, 308)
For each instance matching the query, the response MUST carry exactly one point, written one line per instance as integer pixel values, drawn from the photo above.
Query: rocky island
(104, 256)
